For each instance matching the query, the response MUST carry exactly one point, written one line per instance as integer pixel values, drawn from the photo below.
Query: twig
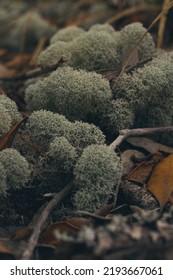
(56, 200)
(158, 17)
(34, 73)
(133, 10)
(125, 133)
(162, 24)
(92, 215)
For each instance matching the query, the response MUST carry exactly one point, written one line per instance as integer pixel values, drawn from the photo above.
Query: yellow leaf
(160, 183)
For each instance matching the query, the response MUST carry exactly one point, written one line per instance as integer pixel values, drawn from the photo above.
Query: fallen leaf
(149, 145)
(9, 136)
(22, 234)
(160, 183)
(129, 158)
(3, 52)
(19, 60)
(142, 171)
(70, 225)
(5, 252)
(7, 72)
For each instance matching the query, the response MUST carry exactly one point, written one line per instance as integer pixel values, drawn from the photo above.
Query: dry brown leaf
(21, 234)
(149, 145)
(141, 173)
(19, 60)
(7, 72)
(128, 159)
(3, 52)
(70, 225)
(160, 183)
(4, 250)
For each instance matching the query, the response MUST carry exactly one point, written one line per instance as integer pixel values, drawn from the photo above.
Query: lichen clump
(97, 173)
(77, 91)
(149, 93)
(130, 36)
(52, 145)
(14, 170)
(77, 94)
(67, 34)
(9, 114)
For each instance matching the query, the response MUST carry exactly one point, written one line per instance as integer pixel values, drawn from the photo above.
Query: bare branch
(34, 73)
(125, 133)
(56, 200)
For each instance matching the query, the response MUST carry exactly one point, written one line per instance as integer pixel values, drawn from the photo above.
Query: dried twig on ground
(125, 133)
(34, 73)
(162, 24)
(133, 10)
(56, 200)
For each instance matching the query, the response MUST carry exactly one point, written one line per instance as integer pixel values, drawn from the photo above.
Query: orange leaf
(160, 183)
(142, 171)
(19, 60)
(5, 252)
(70, 225)
(22, 234)
(4, 142)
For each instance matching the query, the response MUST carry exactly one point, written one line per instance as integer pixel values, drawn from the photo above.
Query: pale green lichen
(102, 28)
(97, 172)
(148, 92)
(118, 115)
(3, 178)
(77, 94)
(67, 34)
(35, 27)
(95, 51)
(61, 155)
(41, 127)
(53, 53)
(90, 50)
(11, 108)
(82, 134)
(5, 121)
(130, 36)
(16, 168)
(56, 165)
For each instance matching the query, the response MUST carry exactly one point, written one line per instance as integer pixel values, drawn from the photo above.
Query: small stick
(162, 24)
(34, 73)
(56, 200)
(133, 10)
(125, 133)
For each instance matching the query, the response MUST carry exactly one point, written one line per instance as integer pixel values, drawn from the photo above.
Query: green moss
(16, 168)
(81, 135)
(67, 34)
(77, 94)
(5, 121)
(130, 35)
(35, 27)
(118, 115)
(11, 108)
(148, 92)
(97, 173)
(56, 165)
(44, 125)
(3, 178)
(95, 51)
(54, 53)
(61, 154)
(102, 28)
